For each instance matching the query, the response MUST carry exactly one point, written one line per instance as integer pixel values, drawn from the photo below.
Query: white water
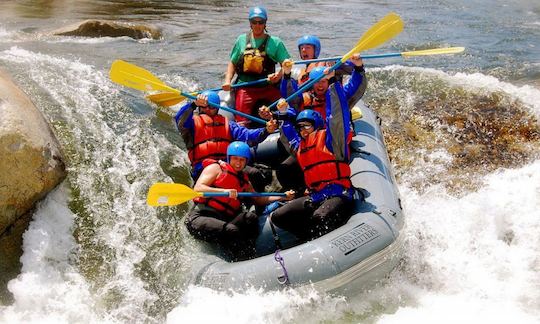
(461, 266)
(478, 83)
(469, 259)
(50, 289)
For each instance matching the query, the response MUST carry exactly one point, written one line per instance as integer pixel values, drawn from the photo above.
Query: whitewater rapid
(474, 258)
(468, 258)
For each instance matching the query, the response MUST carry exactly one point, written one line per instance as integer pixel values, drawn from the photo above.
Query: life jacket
(255, 61)
(212, 136)
(319, 164)
(304, 74)
(314, 103)
(227, 179)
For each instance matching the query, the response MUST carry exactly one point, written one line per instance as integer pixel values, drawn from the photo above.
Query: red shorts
(250, 99)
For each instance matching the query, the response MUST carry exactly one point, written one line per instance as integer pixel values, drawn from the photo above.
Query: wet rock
(30, 156)
(10, 253)
(475, 131)
(31, 165)
(104, 28)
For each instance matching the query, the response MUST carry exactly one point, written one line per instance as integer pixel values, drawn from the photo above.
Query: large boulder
(31, 162)
(30, 166)
(105, 28)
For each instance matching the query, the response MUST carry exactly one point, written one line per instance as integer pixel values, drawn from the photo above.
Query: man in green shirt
(253, 57)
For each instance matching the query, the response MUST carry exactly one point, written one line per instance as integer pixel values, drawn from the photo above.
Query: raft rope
(284, 279)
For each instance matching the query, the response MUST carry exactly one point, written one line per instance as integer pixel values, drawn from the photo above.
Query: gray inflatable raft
(347, 259)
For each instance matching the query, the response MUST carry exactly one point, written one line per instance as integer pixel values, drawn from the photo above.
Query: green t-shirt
(275, 49)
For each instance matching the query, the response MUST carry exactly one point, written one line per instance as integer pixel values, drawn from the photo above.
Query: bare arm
(228, 77)
(207, 178)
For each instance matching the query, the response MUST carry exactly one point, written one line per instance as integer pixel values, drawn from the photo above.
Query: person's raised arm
(252, 136)
(357, 84)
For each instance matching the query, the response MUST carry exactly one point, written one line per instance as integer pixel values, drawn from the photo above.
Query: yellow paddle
(384, 30)
(167, 99)
(135, 77)
(433, 51)
(170, 194)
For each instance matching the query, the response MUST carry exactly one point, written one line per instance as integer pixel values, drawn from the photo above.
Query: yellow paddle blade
(446, 50)
(166, 99)
(385, 29)
(136, 77)
(170, 194)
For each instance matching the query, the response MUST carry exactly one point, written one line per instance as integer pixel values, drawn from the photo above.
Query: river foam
(473, 257)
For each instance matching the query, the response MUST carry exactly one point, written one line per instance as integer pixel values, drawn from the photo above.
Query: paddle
(135, 77)
(168, 99)
(385, 29)
(434, 51)
(170, 194)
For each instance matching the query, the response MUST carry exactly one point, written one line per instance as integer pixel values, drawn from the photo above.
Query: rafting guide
(254, 56)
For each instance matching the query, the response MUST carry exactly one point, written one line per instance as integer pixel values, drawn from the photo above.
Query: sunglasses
(303, 126)
(257, 22)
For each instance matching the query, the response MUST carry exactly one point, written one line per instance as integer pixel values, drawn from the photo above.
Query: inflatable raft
(349, 258)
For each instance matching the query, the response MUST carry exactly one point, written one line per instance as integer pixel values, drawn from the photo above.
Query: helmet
(258, 12)
(310, 40)
(316, 72)
(238, 149)
(212, 96)
(311, 116)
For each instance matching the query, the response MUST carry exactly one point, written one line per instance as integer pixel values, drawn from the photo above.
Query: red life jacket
(212, 136)
(227, 179)
(314, 103)
(320, 165)
(304, 74)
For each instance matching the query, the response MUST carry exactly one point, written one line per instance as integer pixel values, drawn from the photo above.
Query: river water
(462, 131)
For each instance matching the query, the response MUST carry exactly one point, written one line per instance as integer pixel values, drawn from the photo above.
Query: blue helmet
(258, 12)
(212, 96)
(310, 40)
(311, 116)
(316, 72)
(238, 149)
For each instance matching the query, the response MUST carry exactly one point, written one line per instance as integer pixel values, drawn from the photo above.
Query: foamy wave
(474, 258)
(90, 40)
(6, 35)
(50, 289)
(115, 158)
(203, 305)
(527, 94)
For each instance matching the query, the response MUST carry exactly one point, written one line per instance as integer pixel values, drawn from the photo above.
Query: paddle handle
(335, 58)
(244, 84)
(233, 111)
(245, 194)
